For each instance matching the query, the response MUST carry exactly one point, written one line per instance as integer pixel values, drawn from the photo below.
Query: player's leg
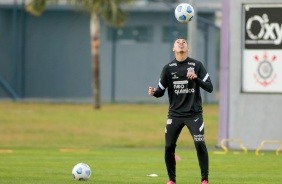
(196, 128)
(172, 131)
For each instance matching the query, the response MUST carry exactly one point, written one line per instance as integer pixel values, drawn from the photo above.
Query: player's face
(180, 45)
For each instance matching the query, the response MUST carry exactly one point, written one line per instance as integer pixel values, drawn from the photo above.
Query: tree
(106, 10)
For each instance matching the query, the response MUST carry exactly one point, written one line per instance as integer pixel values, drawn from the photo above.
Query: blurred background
(48, 57)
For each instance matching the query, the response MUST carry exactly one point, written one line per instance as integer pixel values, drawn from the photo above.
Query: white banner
(262, 71)
(262, 53)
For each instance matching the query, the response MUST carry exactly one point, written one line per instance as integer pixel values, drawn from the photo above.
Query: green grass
(121, 143)
(79, 126)
(132, 165)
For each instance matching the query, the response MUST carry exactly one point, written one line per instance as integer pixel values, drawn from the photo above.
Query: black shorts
(174, 126)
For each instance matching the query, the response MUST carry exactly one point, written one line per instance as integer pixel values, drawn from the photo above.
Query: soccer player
(183, 77)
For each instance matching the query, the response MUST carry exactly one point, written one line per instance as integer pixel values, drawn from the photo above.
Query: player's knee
(199, 143)
(200, 146)
(170, 148)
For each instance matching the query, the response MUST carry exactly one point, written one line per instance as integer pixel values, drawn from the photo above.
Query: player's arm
(206, 84)
(202, 79)
(160, 90)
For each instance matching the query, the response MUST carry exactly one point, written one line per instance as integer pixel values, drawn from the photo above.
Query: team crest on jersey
(190, 70)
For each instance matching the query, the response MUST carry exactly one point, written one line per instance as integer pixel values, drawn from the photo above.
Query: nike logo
(196, 119)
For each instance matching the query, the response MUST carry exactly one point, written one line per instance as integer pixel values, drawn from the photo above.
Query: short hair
(181, 38)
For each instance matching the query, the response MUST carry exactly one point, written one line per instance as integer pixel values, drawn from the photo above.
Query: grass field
(40, 143)
(79, 126)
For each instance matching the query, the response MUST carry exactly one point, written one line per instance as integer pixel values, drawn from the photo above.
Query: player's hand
(151, 91)
(192, 75)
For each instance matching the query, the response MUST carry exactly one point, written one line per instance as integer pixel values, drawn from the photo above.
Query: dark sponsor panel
(263, 26)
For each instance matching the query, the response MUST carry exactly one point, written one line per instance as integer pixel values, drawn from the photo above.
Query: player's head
(180, 46)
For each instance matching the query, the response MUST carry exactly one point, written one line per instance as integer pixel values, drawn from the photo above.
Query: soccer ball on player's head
(81, 171)
(184, 12)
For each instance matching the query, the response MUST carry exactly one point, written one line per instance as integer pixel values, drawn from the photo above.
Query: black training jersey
(184, 94)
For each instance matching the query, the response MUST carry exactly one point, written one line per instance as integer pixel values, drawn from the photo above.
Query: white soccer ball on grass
(81, 171)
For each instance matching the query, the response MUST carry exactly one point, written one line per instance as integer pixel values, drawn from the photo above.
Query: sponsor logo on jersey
(180, 82)
(180, 87)
(199, 137)
(172, 64)
(182, 91)
(191, 63)
(174, 76)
